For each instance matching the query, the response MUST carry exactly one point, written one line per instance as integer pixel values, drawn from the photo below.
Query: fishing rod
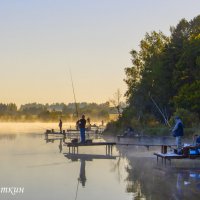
(74, 94)
(154, 102)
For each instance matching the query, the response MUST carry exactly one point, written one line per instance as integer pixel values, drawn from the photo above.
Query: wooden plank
(169, 156)
(140, 144)
(90, 144)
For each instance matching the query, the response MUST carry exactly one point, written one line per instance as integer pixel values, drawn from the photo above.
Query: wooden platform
(139, 137)
(165, 155)
(71, 132)
(163, 146)
(55, 133)
(168, 156)
(125, 136)
(75, 146)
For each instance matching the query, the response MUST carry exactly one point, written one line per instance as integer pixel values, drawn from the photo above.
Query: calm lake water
(46, 170)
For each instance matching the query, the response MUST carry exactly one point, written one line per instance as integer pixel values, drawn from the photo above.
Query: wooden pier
(168, 156)
(75, 146)
(163, 146)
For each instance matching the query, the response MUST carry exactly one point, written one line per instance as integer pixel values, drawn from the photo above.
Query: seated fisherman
(196, 140)
(129, 131)
(193, 149)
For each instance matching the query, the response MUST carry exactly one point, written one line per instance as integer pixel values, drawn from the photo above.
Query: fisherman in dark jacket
(82, 123)
(178, 133)
(60, 125)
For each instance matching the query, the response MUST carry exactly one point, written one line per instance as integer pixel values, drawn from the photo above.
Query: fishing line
(74, 94)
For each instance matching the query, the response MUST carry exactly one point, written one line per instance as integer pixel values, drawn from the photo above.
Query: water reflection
(83, 158)
(148, 180)
(8, 136)
(51, 140)
(30, 161)
(82, 176)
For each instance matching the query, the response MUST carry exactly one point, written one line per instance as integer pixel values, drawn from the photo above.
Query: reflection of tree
(136, 190)
(116, 167)
(146, 180)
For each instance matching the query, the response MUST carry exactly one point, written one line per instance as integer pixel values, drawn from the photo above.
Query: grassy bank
(115, 129)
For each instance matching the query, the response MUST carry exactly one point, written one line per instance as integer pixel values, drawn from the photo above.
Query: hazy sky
(41, 39)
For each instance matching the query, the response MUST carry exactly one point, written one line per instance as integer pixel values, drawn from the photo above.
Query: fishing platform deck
(168, 156)
(164, 155)
(70, 132)
(139, 137)
(131, 136)
(75, 146)
(163, 146)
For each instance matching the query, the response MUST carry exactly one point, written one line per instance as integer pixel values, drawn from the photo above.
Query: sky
(41, 41)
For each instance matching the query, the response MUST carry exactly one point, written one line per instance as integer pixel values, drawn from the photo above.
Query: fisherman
(60, 125)
(178, 133)
(77, 125)
(82, 123)
(89, 124)
(129, 131)
(196, 140)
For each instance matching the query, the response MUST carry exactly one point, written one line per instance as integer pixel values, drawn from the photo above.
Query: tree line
(52, 112)
(164, 79)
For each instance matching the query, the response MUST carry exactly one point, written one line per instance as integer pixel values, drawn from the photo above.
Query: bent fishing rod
(165, 118)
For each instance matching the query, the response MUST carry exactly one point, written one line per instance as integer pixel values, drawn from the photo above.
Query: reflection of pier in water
(83, 158)
(51, 140)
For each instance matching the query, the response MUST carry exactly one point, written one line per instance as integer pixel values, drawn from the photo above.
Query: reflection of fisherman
(60, 125)
(60, 145)
(179, 189)
(82, 177)
(82, 123)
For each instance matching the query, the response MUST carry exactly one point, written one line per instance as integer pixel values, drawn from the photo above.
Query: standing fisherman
(178, 133)
(60, 125)
(82, 123)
